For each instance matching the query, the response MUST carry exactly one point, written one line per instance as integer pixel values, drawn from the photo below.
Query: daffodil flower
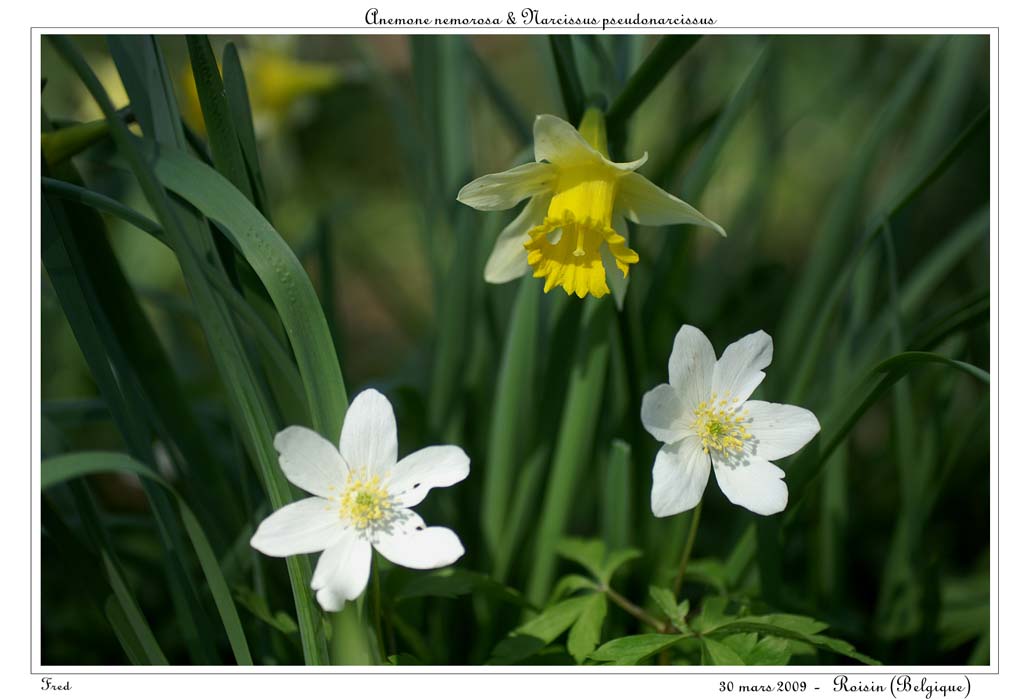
(572, 232)
(361, 499)
(280, 87)
(704, 418)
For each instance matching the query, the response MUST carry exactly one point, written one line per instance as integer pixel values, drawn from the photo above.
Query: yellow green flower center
(720, 426)
(364, 501)
(566, 248)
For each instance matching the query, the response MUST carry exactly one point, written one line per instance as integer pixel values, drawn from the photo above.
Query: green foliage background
(212, 282)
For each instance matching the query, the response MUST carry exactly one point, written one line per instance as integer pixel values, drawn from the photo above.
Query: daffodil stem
(568, 76)
(634, 610)
(688, 549)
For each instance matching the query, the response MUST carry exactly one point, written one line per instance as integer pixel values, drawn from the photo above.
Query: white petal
(664, 415)
(310, 461)
(560, 143)
(647, 204)
(738, 371)
(779, 429)
(509, 259)
(752, 482)
(681, 472)
(631, 165)
(430, 467)
(369, 439)
(506, 189)
(617, 282)
(409, 543)
(301, 527)
(342, 572)
(691, 366)
(332, 557)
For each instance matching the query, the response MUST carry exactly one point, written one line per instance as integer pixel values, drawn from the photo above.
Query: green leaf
(663, 282)
(616, 513)
(568, 78)
(585, 633)
(743, 644)
(589, 554)
(279, 270)
(815, 333)
(107, 325)
(57, 470)
(123, 612)
(615, 561)
(221, 131)
(574, 440)
(875, 383)
(454, 582)
(132, 614)
(259, 607)
(712, 615)
(541, 630)
(831, 244)
(512, 114)
(227, 151)
(770, 651)
(276, 350)
(509, 423)
(711, 572)
(674, 611)
(655, 68)
(124, 632)
(191, 239)
(554, 620)
(764, 651)
(60, 145)
(524, 505)
(718, 654)
(572, 583)
(632, 650)
(794, 627)
(592, 555)
(242, 119)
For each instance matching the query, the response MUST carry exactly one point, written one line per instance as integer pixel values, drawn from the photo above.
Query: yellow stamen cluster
(580, 214)
(719, 426)
(364, 501)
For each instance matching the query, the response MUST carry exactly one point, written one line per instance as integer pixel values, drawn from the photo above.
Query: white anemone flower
(572, 232)
(361, 499)
(704, 418)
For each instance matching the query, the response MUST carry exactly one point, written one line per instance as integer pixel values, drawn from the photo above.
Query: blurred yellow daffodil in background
(280, 86)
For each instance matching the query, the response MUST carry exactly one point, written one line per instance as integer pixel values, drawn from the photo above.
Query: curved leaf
(278, 268)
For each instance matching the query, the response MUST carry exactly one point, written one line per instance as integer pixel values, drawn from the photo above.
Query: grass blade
(831, 244)
(242, 118)
(57, 470)
(250, 411)
(509, 425)
(568, 77)
(278, 269)
(655, 68)
(574, 442)
(269, 343)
